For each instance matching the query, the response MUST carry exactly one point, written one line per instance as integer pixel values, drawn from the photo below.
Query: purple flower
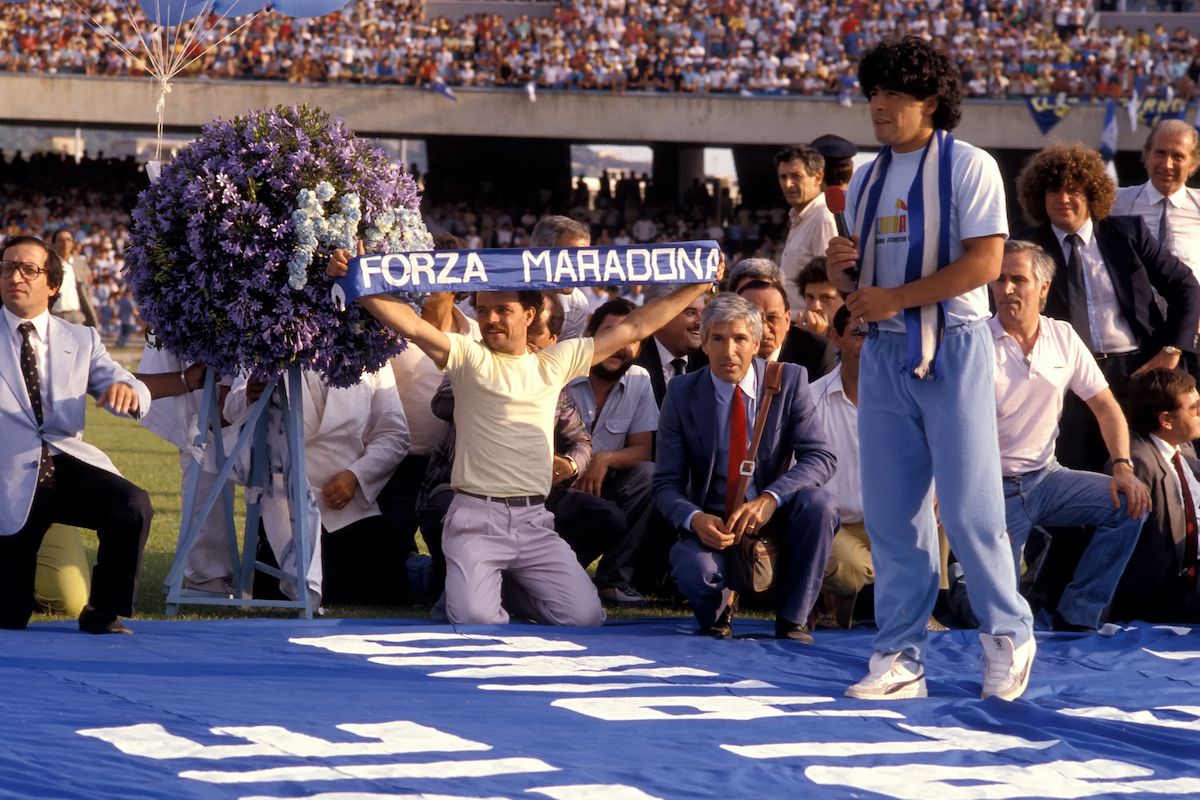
(212, 238)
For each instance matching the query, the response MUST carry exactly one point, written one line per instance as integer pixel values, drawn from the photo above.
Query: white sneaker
(892, 676)
(1006, 668)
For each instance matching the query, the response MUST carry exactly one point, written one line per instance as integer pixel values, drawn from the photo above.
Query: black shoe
(792, 630)
(722, 628)
(1062, 625)
(93, 621)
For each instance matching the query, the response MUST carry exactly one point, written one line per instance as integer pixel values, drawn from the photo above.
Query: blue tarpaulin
(634, 710)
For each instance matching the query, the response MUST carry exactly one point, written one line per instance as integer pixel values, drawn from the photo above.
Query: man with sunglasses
(47, 366)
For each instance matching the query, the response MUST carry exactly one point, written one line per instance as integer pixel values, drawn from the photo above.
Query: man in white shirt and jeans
(1037, 360)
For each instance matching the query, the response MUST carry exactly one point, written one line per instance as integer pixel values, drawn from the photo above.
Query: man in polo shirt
(505, 397)
(1037, 360)
(617, 404)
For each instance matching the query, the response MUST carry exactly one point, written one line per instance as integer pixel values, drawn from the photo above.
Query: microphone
(835, 200)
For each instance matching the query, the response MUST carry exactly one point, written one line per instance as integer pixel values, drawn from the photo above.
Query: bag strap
(772, 382)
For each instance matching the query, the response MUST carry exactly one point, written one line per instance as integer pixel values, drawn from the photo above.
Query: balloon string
(160, 108)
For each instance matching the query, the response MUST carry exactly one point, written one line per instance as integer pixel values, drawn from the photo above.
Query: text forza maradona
(530, 268)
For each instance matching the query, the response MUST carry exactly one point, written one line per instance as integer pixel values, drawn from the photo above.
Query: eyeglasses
(28, 270)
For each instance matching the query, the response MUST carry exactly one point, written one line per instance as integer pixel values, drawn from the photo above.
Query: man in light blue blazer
(47, 368)
(700, 424)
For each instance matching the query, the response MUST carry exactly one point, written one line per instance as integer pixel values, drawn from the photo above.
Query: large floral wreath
(228, 245)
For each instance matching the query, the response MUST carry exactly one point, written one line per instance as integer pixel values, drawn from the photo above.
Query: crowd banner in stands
(514, 269)
(357, 708)
(1048, 110)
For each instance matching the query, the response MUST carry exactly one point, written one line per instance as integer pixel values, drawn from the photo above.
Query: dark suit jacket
(648, 358)
(1137, 264)
(1151, 588)
(687, 447)
(810, 351)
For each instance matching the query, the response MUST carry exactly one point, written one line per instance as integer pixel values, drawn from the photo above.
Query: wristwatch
(1172, 350)
(1126, 461)
(574, 466)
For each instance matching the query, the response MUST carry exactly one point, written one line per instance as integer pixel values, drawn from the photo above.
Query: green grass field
(153, 464)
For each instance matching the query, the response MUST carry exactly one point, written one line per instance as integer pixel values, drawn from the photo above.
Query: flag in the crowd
(1151, 110)
(441, 87)
(1132, 109)
(1108, 139)
(531, 91)
(1048, 110)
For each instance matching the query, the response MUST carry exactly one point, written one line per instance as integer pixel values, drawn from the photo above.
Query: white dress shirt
(39, 339)
(809, 231)
(1030, 391)
(665, 358)
(1110, 333)
(1183, 218)
(417, 378)
(838, 418)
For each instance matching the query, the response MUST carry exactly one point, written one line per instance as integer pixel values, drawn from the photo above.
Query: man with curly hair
(929, 225)
(1108, 269)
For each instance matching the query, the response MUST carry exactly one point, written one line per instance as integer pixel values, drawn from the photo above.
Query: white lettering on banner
(938, 740)
(589, 261)
(594, 792)
(529, 261)
(372, 796)
(1142, 717)
(400, 270)
(726, 707)
(587, 688)
(590, 791)
(631, 257)
(381, 644)
(614, 270)
(422, 267)
(1066, 779)
(564, 269)
(483, 768)
(392, 738)
(1182, 655)
(445, 276)
(541, 667)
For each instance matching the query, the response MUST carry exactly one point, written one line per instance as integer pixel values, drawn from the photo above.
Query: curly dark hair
(914, 66)
(1071, 166)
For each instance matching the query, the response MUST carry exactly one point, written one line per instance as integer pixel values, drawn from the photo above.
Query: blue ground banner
(513, 269)
(407, 709)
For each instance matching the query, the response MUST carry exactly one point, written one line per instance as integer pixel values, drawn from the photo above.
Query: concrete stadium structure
(502, 135)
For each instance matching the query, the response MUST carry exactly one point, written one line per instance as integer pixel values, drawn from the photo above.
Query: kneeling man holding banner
(505, 399)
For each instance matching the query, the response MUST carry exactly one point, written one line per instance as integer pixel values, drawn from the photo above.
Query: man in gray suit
(47, 367)
(1159, 583)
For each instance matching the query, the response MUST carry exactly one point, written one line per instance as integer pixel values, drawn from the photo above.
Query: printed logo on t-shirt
(893, 228)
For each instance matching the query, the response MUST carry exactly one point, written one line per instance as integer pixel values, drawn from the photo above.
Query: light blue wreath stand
(196, 508)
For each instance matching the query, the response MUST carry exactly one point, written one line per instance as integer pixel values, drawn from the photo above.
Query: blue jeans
(1059, 497)
(915, 433)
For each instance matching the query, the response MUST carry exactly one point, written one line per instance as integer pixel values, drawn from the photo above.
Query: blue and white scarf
(929, 205)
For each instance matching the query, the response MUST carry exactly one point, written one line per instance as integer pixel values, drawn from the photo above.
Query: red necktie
(1189, 514)
(737, 451)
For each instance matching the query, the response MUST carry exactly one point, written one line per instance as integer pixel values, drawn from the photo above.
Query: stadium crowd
(767, 47)
(979, 426)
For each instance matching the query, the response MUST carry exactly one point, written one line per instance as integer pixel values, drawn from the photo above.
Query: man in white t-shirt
(505, 398)
(929, 216)
(1037, 360)
(417, 379)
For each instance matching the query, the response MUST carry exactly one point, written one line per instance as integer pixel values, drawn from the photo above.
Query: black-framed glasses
(28, 269)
